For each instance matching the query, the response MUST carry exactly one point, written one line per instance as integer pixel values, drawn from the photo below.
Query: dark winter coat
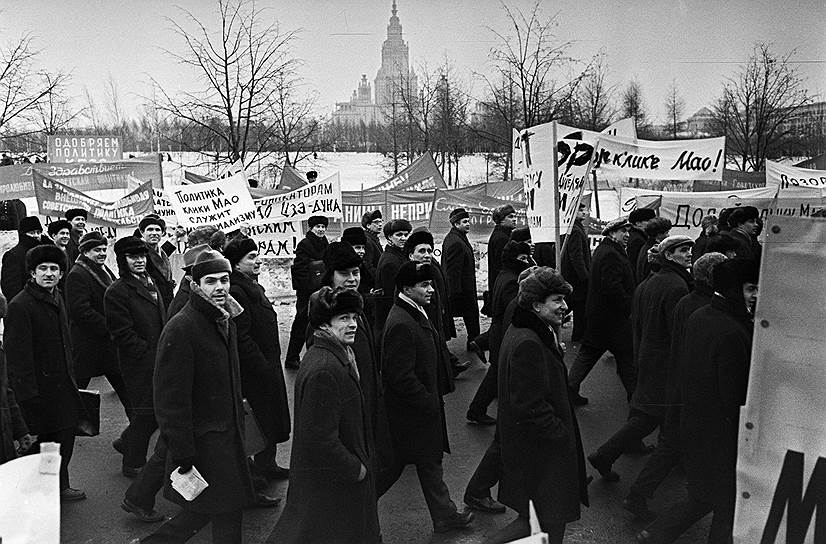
(636, 241)
(308, 266)
(39, 358)
(700, 245)
(496, 243)
(262, 378)
(576, 259)
(696, 299)
(643, 268)
(72, 248)
(439, 308)
(197, 387)
(181, 297)
(134, 321)
(13, 273)
(505, 290)
(653, 329)
(12, 425)
(610, 289)
(325, 500)
(390, 262)
(542, 458)
(372, 252)
(544, 253)
(718, 349)
(415, 377)
(460, 271)
(92, 348)
(747, 246)
(158, 267)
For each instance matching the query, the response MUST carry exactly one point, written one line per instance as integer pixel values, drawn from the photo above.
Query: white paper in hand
(189, 485)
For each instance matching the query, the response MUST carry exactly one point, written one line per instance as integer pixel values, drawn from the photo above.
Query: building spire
(394, 10)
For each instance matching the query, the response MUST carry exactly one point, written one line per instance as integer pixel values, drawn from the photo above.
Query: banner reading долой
(96, 148)
(790, 177)
(321, 197)
(54, 198)
(225, 203)
(671, 159)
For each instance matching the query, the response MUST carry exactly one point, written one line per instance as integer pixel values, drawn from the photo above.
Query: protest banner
(781, 463)
(291, 178)
(624, 128)
(686, 210)
(421, 175)
(163, 207)
(224, 203)
(321, 197)
(790, 177)
(545, 197)
(54, 198)
(701, 159)
(732, 180)
(277, 240)
(95, 148)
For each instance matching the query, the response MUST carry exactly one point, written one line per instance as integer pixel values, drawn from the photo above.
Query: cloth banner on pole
(790, 177)
(421, 175)
(624, 128)
(54, 198)
(277, 240)
(701, 159)
(781, 463)
(321, 197)
(224, 203)
(291, 178)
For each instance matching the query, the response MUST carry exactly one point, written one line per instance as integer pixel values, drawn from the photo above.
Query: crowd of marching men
(203, 362)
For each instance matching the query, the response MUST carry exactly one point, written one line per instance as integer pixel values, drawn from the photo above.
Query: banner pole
(557, 244)
(596, 191)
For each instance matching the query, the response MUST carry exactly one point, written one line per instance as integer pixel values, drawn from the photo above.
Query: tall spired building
(393, 78)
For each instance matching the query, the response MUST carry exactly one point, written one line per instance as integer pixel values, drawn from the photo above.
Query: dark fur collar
(528, 320)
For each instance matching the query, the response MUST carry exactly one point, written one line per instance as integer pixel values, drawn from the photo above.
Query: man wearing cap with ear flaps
(13, 273)
(77, 217)
(608, 311)
(460, 270)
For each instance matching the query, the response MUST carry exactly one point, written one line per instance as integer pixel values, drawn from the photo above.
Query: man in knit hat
(460, 270)
(306, 271)
(152, 229)
(13, 273)
(135, 315)
(391, 260)
(77, 217)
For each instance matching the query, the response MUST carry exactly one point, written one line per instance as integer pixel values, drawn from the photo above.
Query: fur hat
(641, 214)
(658, 225)
(502, 212)
(91, 240)
(209, 262)
(56, 226)
(191, 254)
(707, 221)
(396, 225)
(312, 175)
(200, 235)
(722, 243)
(45, 253)
(416, 238)
(317, 220)
(412, 273)
(521, 234)
(326, 303)
(237, 248)
(152, 219)
(457, 215)
(728, 277)
(354, 236)
(75, 212)
(541, 283)
(616, 224)
(340, 256)
(28, 224)
(742, 214)
(514, 249)
(130, 245)
(673, 242)
(218, 240)
(703, 267)
(369, 217)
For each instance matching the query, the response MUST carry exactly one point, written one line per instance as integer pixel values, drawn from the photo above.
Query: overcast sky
(693, 42)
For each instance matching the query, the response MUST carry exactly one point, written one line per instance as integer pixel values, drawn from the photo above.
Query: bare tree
(92, 112)
(674, 109)
(450, 121)
(633, 105)
(592, 103)
(55, 112)
(756, 102)
(419, 106)
(113, 104)
(239, 71)
(294, 125)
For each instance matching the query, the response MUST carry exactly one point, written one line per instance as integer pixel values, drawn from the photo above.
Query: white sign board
(789, 177)
(702, 159)
(321, 197)
(225, 203)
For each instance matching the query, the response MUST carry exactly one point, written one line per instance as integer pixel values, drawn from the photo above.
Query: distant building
(393, 76)
(700, 124)
(807, 120)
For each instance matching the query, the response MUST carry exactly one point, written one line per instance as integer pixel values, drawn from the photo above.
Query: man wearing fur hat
(332, 495)
(262, 378)
(371, 224)
(77, 217)
(198, 402)
(542, 458)
(60, 232)
(652, 325)
(184, 290)
(504, 217)
(152, 229)
(391, 260)
(639, 219)
(657, 230)
(14, 274)
(608, 311)
(135, 315)
(743, 222)
(416, 374)
(460, 271)
(357, 238)
(307, 269)
(38, 351)
(576, 269)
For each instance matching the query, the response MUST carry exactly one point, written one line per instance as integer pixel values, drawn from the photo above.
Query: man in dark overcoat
(262, 378)
(356, 237)
(542, 459)
(332, 495)
(653, 326)
(715, 376)
(199, 407)
(576, 269)
(743, 222)
(306, 271)
(608, 311)
(182, 294)
(392, 258)
(39, 354)
(77, 217)
(657, 230)
(152, 229)
(13, 429)
(371, 225)
(638, 218)
(460, 270)
(13, 273)
(416, 375)
(135, 315)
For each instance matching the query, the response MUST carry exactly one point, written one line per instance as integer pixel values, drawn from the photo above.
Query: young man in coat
(152, 230)
(14, 432)
(371, 225)
(608, 311)
(715, 374)
(307, 269)
(332, 495)
(391, 260)
(198, 402)
(460, 271)
(416, 375)
(576, 269)
(743, 222)
(135, 315)
(639, 219)
(262, 378)
(653, 326)
(39, 355)
(356, 237)
(542, 458)
(77, 217)
(13, 273)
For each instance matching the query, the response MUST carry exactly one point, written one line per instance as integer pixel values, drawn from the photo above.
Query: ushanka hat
(703, 267)
(396, 225)
(412, 273)
(75, 212)
(513, 249)
(521, 234)
(641, 214)
(237, 248)
(46, 253)
(91, 240)
(354, 236)
(130, 245)
(369, 217)
(416, 238)
(340, 256)
(742, 214)
(502, 212)
(673, 242)
(457, 215)
(326, 303)
(56, 226)
(152, 219)
(541, 283)
(729, 276)
(616, 224)
(209, 262)
(30, 223)
(317, 220)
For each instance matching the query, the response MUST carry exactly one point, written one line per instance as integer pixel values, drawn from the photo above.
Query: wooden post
(596, 191)
(557, 239)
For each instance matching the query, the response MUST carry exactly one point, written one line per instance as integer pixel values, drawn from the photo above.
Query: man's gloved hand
(185, 464)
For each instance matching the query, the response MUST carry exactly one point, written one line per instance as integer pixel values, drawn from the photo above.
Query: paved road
(404, 519)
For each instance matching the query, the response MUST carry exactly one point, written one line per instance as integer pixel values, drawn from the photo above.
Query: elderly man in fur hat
(39, 355)
(460, 271)
(13, 274)
(77, 217)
